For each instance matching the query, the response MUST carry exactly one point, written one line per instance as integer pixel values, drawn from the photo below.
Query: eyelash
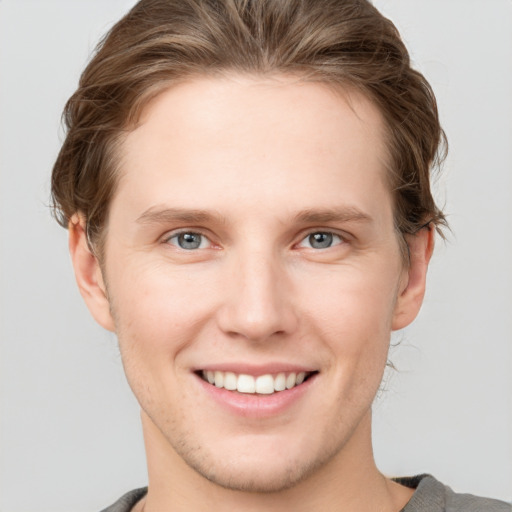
(186, 232)
(331, 234)
(306, 237)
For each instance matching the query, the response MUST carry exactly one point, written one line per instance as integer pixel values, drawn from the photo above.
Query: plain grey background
(69, 429)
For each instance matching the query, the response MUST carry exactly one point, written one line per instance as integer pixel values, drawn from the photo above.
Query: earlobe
(88, 274)
(410, 297)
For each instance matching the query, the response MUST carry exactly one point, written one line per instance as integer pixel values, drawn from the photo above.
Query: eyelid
(305, 235)
(310, 231)
(344, 237)
(177, 232)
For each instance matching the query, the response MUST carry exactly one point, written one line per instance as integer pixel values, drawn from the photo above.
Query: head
(247, 186)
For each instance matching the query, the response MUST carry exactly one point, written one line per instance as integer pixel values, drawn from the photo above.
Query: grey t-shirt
(430, 496)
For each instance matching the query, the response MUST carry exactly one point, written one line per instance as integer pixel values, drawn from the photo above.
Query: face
(254, 275)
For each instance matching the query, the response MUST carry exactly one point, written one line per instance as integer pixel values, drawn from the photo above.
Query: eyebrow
(319, 216)
(156, 215)
(164, 215)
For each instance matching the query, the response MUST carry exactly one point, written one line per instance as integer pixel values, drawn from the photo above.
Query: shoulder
(126, 502)
(433, 496)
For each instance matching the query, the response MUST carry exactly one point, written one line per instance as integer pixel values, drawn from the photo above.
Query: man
(246, 186)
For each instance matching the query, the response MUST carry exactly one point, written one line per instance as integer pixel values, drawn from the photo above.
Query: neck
(349, 481)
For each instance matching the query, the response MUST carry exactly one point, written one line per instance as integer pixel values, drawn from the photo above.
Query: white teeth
(290, 380)
(246, 384)
(263, 384)
(280, 382)
(230, 381)
(219, 379)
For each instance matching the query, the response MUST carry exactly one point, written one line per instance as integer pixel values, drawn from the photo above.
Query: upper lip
(256, 370)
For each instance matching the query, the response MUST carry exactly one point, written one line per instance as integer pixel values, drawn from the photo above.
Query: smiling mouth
(267, 384)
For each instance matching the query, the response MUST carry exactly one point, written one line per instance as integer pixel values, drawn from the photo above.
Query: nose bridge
(258, 303)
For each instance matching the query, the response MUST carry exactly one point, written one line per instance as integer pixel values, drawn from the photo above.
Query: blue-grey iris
(189, 240)
(320, 240)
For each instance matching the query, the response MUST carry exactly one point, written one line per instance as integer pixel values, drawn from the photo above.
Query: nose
(259, 302)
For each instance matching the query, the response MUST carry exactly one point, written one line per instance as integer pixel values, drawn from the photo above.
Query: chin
(254, 477)
(251, 466)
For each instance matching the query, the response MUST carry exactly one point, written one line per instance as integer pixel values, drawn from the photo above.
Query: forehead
(275, 140)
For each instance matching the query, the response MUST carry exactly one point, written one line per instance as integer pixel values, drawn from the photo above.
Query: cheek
(155, 318)
(159, 311)
(353, 300)
(353, 310)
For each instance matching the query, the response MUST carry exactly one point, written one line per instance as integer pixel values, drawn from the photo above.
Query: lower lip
(256, 405)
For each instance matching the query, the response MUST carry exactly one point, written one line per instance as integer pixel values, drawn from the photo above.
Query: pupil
(320, 240)
(189, 240)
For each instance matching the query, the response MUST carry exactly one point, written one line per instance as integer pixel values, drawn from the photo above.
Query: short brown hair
(347, 43)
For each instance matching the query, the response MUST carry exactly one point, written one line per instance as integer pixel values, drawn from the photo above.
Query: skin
(256, 157)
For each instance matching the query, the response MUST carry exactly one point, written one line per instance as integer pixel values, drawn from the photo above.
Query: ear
(88, 274)
(412, 288)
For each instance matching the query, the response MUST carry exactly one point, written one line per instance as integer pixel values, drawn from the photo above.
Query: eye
(189, 240)
(321, 240)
